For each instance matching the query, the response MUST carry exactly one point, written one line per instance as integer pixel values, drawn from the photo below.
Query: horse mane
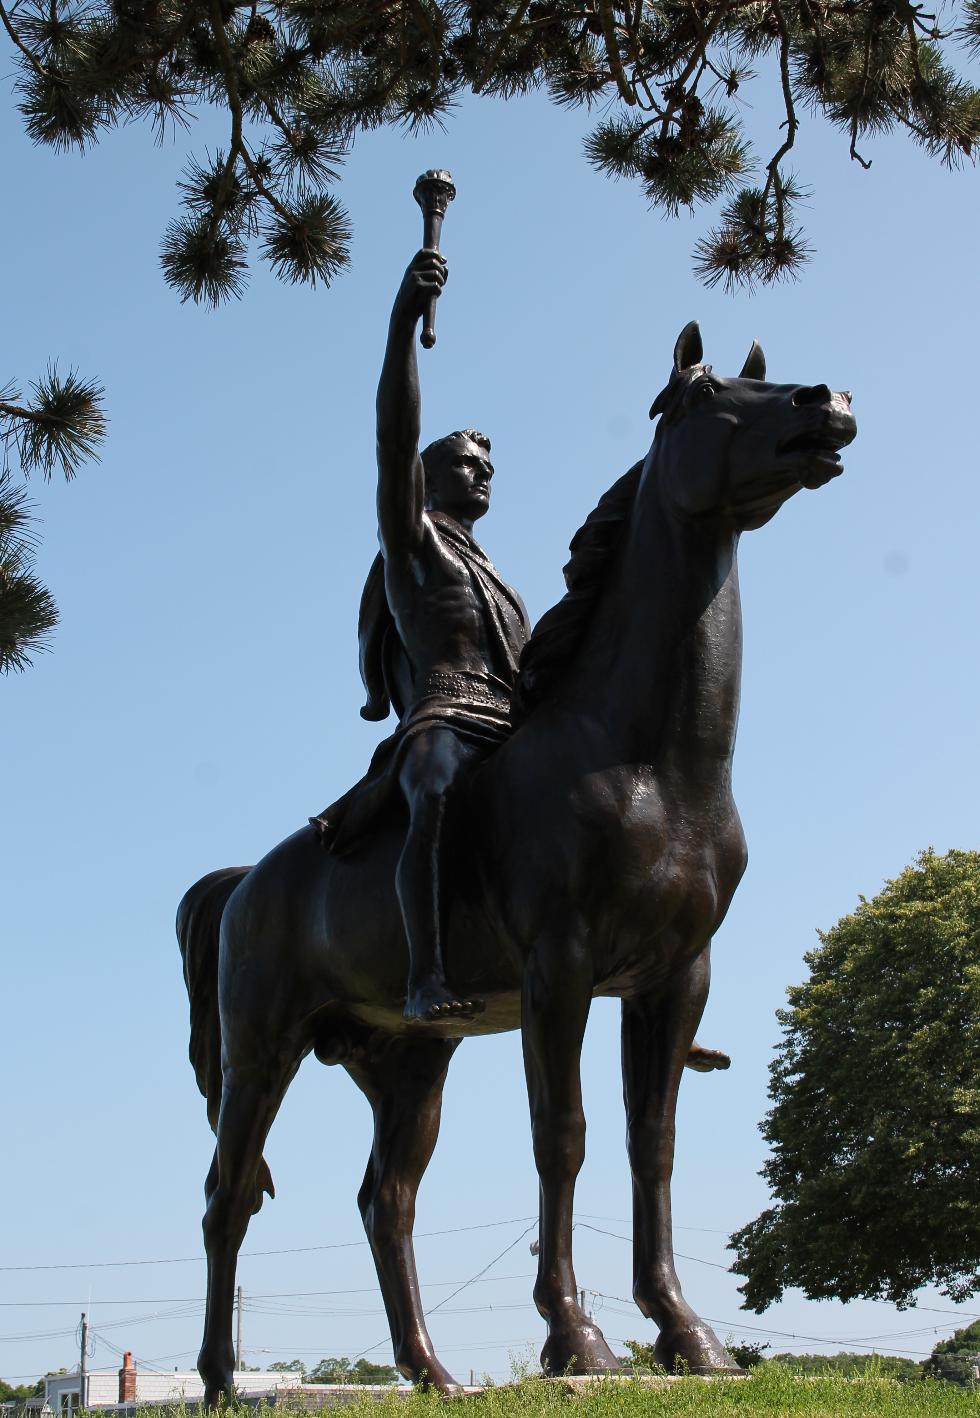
(560, 630)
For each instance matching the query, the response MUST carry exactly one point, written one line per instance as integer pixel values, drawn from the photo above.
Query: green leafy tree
(60, 425)
(289, 1366)
(299, 79)
(852, 1366)
(957, 1359)
(641, 1355)
(342, 1371)
(875, 1125)
(15, 1393)
(745, 1354)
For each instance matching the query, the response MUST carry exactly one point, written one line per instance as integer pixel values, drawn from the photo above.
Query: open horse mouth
(818, 449)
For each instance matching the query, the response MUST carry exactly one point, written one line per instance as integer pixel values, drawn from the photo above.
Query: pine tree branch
(28, 54)
(238, 147)
(235, 108)
(434, 63)
(14, 411)
(612, 52)
(313, 74)
(865, 75)
(262, 187)
(277, 120)
(64, 426)
(705, 35)
(774, 184)
(507, 34)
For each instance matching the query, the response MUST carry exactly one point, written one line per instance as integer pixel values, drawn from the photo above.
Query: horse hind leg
(404, 1087)
(264, 1185)
(250, 1099)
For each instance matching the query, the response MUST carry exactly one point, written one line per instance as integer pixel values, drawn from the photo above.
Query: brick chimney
(127, 1379)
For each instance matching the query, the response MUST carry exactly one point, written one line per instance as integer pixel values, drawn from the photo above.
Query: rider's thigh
(432, 762)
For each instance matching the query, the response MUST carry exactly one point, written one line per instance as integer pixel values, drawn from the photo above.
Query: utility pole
(83, 1364)
(238, 1336)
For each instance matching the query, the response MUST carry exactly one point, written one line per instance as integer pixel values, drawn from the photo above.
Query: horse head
(734, 450)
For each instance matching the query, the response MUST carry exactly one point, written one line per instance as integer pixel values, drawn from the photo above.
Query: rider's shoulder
(433, 543)
(426, 553)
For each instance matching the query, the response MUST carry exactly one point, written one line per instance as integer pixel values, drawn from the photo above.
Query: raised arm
(401, 485)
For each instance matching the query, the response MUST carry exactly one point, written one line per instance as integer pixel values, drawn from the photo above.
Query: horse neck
(661, 666)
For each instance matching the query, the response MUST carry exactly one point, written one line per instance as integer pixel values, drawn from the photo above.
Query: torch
(434, 191)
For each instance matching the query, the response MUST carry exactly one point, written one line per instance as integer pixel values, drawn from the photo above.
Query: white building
(129, 1386)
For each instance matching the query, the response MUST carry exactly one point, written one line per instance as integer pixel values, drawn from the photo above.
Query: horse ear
(688, 349)
(755, 363)
(659, 403)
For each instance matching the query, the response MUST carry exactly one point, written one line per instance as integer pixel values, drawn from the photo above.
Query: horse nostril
(815, 394)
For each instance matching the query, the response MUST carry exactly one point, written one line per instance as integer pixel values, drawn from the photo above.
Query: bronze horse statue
(597, 853)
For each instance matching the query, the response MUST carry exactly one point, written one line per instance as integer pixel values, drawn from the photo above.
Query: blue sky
(201, 698)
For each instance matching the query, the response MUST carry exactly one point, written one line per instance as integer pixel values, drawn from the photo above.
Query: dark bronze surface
(595, 851)
(433, 191)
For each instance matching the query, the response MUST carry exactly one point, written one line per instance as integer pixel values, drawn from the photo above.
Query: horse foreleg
(556, 999)
(404, 1087)
(657, 1035)
(249, 1103)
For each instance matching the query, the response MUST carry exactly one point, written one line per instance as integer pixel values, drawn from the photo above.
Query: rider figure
(441, 636)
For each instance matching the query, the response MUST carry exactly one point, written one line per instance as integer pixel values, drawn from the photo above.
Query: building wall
(153, 1387)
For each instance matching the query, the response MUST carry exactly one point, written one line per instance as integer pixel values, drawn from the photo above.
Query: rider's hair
(441, 448)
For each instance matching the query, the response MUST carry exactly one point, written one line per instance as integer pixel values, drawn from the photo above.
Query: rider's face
(460, 482)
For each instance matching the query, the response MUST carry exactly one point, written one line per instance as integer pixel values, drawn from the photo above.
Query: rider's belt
(465, 684)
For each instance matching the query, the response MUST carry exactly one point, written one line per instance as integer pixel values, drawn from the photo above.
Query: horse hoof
(583, 1351)
(695, 1349)
(432, 1375)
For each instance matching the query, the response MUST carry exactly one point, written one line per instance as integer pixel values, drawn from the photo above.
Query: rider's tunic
(476, 707)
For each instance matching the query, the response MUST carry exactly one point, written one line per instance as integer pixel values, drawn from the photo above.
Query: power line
(38, 1334)
(629, 1240)
(274, 1295)
(778, 1333)
(181, 1312)
(466, 1283)
(480, 1273)
(288, 1251)
(622, 1221)
(331, 1246)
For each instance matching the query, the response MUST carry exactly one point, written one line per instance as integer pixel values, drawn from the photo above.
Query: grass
(772, 1391)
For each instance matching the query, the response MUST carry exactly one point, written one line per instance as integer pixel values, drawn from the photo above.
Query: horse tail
(198, 931)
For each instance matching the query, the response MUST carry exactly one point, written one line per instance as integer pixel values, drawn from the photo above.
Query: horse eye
(706, 391)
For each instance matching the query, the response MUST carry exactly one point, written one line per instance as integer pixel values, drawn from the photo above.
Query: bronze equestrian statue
(594, 852)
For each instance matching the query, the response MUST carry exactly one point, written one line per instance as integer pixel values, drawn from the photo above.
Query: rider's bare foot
(704, 1060)
(433, 1003)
